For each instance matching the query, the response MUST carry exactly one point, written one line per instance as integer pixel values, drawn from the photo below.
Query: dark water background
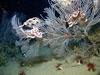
(31, 8)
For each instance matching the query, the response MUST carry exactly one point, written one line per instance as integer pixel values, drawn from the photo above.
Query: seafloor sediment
(49, 68)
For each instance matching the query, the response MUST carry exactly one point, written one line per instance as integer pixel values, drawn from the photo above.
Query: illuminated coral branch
(34, 31)
(77, 17)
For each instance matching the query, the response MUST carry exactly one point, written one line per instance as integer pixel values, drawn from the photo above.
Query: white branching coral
(32, 21)
(63, 3)
(66, 25)
(34, 31)
(77, 17)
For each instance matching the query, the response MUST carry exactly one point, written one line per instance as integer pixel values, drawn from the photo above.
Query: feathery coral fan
(66, 25)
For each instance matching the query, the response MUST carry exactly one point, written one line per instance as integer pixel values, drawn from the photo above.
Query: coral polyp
(22, 73)
(79, 60)
(91, 67)
(22, 64)
(59, 67)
